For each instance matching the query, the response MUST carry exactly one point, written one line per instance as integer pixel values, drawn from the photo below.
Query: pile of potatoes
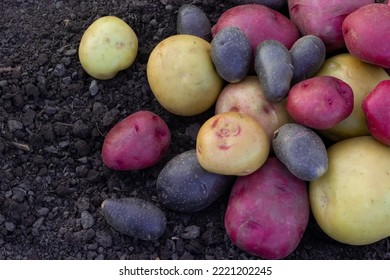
(301, 123)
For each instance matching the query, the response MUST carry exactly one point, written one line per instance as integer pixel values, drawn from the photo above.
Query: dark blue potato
(134, 217)
(231, 53)
(301, 150)
(193, 21)
(273, 66)
(274, 4)
(184, 186)
(308, 54)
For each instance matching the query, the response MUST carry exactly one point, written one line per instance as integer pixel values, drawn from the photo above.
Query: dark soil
(53, 118)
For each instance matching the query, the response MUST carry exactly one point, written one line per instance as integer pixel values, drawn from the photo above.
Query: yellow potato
(351, 202)
(181, 75)
(232, 143)
(108, 46)
(362, 78)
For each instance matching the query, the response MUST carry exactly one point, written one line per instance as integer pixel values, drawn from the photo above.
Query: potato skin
(301, 150)
(184, 186)
(247, 97)
(108, 46)
(268, 211)
(351, 202)
(273, 66)
(182, 76)
(274, 4)
(259, 23)
(320, 102)
(231, 143)
(193, 21)
(376, 109)
(231, 53)
(136, 142)
(134, 217)
(366, 33)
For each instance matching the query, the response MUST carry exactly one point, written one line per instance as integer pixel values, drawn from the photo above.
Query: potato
(366, 33)
(274, 4)
(301, 150)
(108, 46)
(136, 142)
(182, 76)
(259, 23)
(323, 18)
(351, 202)
(193, 21)
(231, 143)
(307, 55)
(362, 78)
(320, 102)
(273, 66)
(247, 97)
(376, 109)
(231, 53)
(134, 217)
(184, 186)
(268, 211)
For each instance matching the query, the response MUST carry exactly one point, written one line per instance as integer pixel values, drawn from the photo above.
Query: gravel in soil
(53, 118)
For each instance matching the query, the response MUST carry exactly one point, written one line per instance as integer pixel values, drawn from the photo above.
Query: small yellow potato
(351, 202)
(247, 97)
(362, 78)
(108, 46)
(182, 76)
(232, 143)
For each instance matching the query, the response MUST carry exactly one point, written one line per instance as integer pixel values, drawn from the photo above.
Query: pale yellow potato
(362, 78)
(247, 97)
(351, 202)
(182, 76)
(232, 143)
(108, 46)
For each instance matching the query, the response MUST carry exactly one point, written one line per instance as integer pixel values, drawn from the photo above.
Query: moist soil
(53, 118)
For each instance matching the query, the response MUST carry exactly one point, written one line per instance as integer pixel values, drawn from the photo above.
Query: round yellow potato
(108, 46)
(362, 78)
(182, 76)
(247, 97)
(351, 202)
(232, 143)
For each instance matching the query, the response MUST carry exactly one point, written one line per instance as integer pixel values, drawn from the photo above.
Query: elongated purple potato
(367, 34)
(134, 217)
(268, 211)
(323, 18)
(193, 21)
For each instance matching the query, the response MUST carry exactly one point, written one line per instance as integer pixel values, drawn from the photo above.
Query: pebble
(190, 232)
(14, 125)
(87, 220)
(2, 219)
(43, 211)
(103, 238)
(18, 194)
(82, 204)
(59, 70)
(80, 129)
(70, 52)
(38, 223)
(10, 226)
(93, 88)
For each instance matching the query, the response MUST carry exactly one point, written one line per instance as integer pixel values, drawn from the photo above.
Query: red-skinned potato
(376, 109)
(366, 33)
(323, 18)
(268, 211)
(259, 23)
(320, 102)
(247, 97)
(136, 142)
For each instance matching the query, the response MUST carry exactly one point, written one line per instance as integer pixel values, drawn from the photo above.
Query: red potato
(136, 142)
(268, 211)
(366, 33)
(323, 18)
(320, 102)
(259, 23)
(376, 109)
